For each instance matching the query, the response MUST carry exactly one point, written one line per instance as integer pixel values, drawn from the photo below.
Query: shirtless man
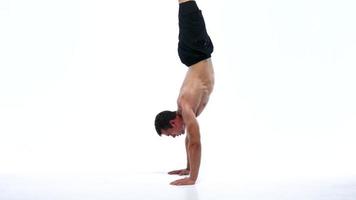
(194, 49)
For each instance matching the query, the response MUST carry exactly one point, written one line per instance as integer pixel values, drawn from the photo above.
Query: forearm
(194, 146)
(187, 152)
(194, 157)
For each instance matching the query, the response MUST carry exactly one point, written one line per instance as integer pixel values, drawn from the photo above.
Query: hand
(180, 172)
(183, 181)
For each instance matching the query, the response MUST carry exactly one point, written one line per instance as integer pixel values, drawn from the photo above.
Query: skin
(182, 1)
(193, 97)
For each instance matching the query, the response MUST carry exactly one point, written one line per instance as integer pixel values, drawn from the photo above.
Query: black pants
(194, 42)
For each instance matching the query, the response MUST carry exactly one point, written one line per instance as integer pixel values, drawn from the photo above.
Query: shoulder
(191, 124)
(188, 114)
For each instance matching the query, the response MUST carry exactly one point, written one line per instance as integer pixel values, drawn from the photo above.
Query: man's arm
(187, 151)
(193, 147)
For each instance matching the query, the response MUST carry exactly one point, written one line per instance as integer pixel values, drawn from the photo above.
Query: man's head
(169, 123)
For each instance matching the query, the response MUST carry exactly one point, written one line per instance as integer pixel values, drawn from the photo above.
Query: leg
(194, 42)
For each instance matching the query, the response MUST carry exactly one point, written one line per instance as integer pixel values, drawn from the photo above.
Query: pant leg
(194, 43)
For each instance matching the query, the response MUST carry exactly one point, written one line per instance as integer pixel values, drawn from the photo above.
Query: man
(194, 49)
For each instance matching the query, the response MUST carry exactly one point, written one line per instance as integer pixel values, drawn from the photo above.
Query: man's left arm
(194, 147)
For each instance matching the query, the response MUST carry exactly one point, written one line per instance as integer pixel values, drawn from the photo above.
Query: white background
(81, 83)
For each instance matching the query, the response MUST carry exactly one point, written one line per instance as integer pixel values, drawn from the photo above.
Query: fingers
(174, 183)
(177, 182)
(174, 172)
(185, 172)
(184, 181)
(180, 172)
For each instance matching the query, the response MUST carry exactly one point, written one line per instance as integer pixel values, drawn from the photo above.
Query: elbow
(195, 145)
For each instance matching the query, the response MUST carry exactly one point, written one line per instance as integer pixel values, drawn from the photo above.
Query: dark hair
(162, 120)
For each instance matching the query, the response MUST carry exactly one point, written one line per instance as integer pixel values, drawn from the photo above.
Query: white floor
(154, 185)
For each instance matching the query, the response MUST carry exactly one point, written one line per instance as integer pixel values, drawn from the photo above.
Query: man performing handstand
(194, 49)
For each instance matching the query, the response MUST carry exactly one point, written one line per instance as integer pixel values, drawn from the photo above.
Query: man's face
(176, 130)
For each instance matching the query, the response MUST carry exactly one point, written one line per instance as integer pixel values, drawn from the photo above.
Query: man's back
(197, 86)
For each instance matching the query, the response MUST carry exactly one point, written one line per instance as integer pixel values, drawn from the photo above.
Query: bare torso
(197, 86)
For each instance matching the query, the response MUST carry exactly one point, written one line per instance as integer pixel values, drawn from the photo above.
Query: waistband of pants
(188, 7)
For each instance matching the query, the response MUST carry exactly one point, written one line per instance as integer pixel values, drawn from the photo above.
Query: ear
(173, 122)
